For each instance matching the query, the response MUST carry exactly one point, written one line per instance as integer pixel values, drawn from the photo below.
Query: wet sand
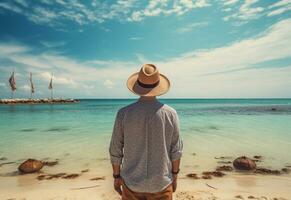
(91, 185)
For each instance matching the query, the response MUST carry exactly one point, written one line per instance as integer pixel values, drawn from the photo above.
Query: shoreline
(37, 101)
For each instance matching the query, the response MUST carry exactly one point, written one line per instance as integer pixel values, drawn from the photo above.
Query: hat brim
(161, 88)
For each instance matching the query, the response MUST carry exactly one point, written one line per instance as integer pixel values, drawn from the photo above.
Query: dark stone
(214, 173)
(224, 168)
(206, 177)
(267, 171)
(257, 157)
(285, 170)
(97, 178)
(223, 157)
(71, 176)
(6, 163)
(58, 175)
(239, 197)
(30, 166)
(251, 197)
(256, 160)
(244, 163)
(50, 176)
(224, 162)
(41, 177)
(85, 170)
(50, 163)
(192, 175)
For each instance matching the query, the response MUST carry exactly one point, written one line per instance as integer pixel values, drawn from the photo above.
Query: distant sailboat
(31, 86)
(50, 87)
(12, 84)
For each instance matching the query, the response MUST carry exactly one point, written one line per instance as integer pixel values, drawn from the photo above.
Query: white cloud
(108, 83)
(227, 9)
(228, 72)
(10, 6)
(201, 4)
(164, 7)
(58, 79)
(279, 7)
(51, 44)
(6, 49)
(247, 11)
(141, 58)
(191, 26)
(280, 3)
(22, 3)
(44, 13)
(241, 13)
(229, 2)
(24, 87)
(279, 11)
(275, 43)
(136, 38)
(73, 11)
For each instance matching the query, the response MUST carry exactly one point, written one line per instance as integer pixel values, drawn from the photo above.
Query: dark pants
(128, 194)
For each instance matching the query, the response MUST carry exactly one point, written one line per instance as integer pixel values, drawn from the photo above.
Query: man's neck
(144, 98)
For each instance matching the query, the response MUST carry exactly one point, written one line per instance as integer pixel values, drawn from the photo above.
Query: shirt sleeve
(116, 143)
(176, 143)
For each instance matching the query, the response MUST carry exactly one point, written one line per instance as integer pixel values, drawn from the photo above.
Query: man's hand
(174, 183)
(117, 185)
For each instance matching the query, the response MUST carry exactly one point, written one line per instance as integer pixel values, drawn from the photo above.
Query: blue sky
(208, 49)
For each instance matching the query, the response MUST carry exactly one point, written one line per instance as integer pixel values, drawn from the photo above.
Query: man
(145, 147)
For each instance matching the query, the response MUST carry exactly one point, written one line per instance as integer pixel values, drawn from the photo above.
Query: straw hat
(148, 82)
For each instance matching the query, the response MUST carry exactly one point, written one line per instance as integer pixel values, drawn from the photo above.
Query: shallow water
(79, 134)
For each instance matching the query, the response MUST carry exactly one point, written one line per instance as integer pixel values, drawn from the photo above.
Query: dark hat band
(148, 85)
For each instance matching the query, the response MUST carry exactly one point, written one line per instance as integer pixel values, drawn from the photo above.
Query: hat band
(148, 85)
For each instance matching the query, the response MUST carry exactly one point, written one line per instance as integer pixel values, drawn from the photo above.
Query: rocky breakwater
(37, 101)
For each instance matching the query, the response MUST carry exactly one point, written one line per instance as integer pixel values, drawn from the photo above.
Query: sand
(232, 186)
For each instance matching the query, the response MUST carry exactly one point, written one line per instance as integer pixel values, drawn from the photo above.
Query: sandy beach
(229, 187)
(96, 183)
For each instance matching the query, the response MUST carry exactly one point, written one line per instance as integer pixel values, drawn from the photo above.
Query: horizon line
(190, 98)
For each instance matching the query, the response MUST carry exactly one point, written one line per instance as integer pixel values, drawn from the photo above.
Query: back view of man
(145, 147)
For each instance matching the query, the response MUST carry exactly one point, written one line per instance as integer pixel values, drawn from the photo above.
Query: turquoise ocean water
(79, 134)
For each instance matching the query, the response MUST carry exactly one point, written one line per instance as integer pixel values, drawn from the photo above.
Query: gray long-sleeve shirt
(144, 141)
